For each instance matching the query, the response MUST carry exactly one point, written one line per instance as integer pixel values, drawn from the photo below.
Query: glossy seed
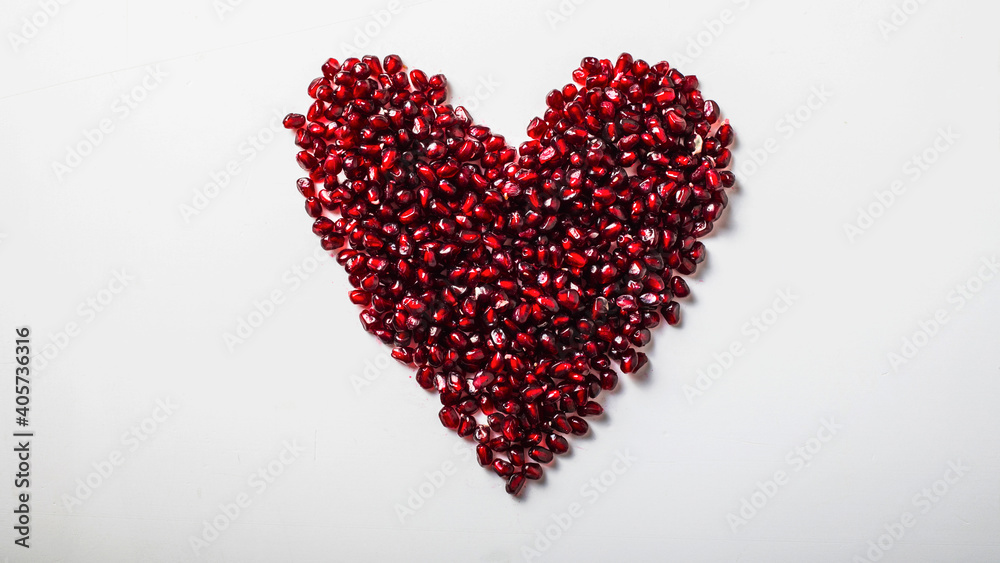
(515, 484)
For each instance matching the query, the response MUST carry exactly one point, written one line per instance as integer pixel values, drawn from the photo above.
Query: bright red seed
(449, 417)
(294, 121)
(503, 468)
(484, 454)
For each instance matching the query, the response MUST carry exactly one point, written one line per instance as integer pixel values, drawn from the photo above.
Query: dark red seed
(482, 433)
(313, 207)
(627, 303)
(449, 417)
(515, 484)
(541, 454)
(536, 128)
(392, 64)
(466, 426)
(294, 121)
(590, 409)
(499, 444)
(559, 423)
(579, 425)
(672, 313)
(360, 297)
(323, 226)
(532, 471)
(679, 287)
(609, 380)
(725, 135)
(306, 187)
(307, 161)
(425, 377)
(557, 443)
(404, 355)
(503, 467)
(484, 454)
(664, 96)
(511, 430)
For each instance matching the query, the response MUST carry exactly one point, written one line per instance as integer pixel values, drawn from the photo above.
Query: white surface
(825, 358)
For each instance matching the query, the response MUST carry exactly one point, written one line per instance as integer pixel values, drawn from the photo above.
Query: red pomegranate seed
(481, 434)
(516, 457)
(515, 484)
(557, 443)
(561, 424)
(503, 467)
(578, 425)
(590, 409)
(532, 471)
(608, 380)
(466, 426)
(679, 287)
(404, 355)
(449, 417)
(512, 279)
(672, 313)
(392, 64)
(540, 454)
(484, 454)
(294, 121)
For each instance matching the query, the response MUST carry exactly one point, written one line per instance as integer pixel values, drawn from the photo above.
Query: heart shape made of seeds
(514, 279)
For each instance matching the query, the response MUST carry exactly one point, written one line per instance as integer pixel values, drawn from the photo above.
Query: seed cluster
(514, 279)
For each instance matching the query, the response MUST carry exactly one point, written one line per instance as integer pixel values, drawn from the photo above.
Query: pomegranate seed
(449, 417)
(557, 443)
(404, 355)
(392, 64)
(484, 454)
(540, 454)
(516, 457)
(532, 471)
(590, 409)
(467, 425)
(294, 121)
(679, 287)
(515, 484)
(672, 312)
(481, 434)
(561, 424)
(503, 467)
(579, 426)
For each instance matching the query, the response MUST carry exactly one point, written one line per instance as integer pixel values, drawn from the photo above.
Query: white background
(701, 448)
